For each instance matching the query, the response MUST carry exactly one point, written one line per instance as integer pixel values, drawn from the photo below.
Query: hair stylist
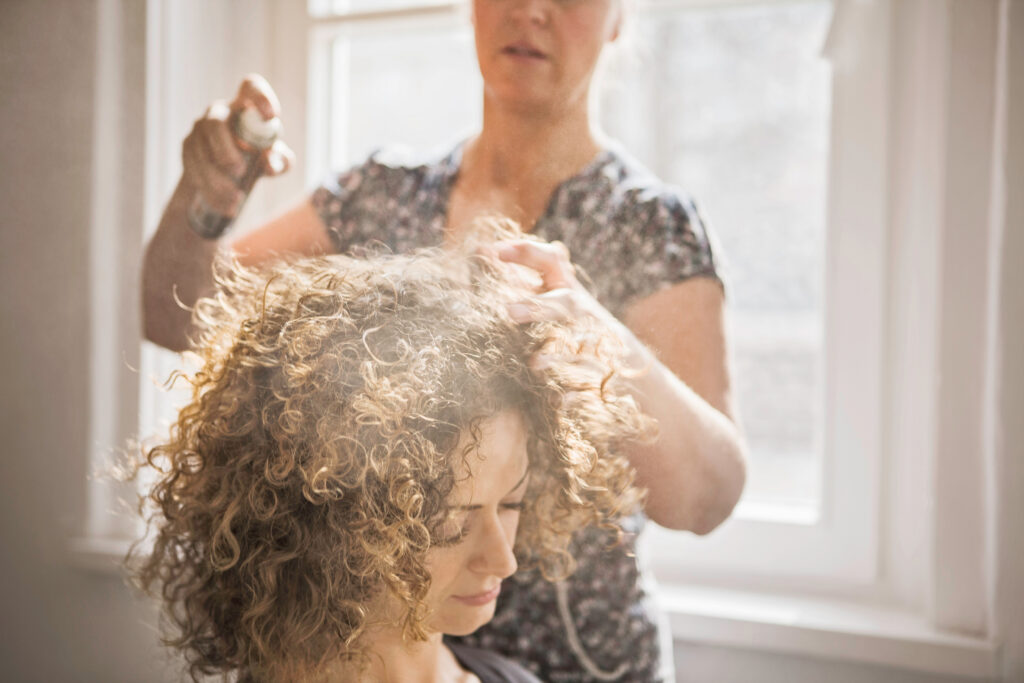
(538, 160)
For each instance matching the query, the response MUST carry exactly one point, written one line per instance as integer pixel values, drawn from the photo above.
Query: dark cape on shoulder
(490, 667)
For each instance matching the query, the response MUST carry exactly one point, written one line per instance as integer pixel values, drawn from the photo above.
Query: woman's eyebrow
(514, 488)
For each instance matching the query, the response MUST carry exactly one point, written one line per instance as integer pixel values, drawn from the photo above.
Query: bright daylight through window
(729, 103)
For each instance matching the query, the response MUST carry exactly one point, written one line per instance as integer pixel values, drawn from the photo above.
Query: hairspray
(253, 135)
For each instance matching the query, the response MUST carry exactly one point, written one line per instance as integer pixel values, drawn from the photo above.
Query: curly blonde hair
(313, 466)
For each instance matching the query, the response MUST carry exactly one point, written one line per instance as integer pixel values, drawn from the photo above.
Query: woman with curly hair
(371, 447)
(538, 157)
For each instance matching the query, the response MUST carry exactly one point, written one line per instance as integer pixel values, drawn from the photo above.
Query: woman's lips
(523, 51)
(479, 598)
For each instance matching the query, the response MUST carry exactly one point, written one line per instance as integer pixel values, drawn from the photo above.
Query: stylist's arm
(695, 470)
(177, 268)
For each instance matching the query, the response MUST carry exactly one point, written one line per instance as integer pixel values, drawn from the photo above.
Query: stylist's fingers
(555, 305)
(218, 187)
(209, 149)
(549, 259)
(255, 91)
(215, 133)
(278, 159)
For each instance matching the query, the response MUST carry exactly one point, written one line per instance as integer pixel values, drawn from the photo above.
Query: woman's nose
(532, 11)
(494, 555)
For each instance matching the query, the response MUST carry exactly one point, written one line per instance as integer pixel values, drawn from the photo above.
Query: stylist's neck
(519, 142)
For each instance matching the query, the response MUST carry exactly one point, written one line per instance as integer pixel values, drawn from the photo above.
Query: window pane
(732, 104)
(729, 103)
(417, 88)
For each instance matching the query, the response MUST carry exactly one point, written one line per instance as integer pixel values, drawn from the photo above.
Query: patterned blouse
(634, 236)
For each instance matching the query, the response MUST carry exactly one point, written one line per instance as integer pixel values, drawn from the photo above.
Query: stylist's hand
(560, 295)
(213, 164)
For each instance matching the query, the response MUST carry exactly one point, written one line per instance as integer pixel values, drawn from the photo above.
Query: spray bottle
(253, 136)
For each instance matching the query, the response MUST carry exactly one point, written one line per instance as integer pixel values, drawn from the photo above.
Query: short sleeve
(685, 242)
(333, 201)
(655, 238)
(391, 202)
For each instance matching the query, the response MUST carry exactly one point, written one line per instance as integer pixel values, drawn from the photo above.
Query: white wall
(59, 623)
(62, 623)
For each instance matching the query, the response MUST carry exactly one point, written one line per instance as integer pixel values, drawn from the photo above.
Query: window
(733, 103)
(758, 116)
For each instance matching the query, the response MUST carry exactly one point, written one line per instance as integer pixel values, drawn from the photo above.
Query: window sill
(816, 627)
(99, 555)
(824, 628)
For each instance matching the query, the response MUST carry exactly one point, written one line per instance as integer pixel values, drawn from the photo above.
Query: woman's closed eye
(448, 537)
(452, 530)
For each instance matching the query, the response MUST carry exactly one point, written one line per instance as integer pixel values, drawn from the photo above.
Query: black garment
(489, 667)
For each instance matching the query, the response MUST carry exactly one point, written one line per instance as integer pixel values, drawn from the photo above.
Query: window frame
(839, 543)
(843, 551)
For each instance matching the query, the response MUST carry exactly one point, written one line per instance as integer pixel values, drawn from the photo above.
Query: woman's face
(466, 570)
(541, 53)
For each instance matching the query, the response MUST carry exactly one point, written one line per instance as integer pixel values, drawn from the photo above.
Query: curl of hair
(312, 468)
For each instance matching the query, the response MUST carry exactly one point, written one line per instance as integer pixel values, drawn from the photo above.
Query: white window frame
(872, 311)
(839, 546)
(896, 425)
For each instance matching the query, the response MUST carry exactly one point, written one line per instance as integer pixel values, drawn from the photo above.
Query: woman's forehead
(499, 463)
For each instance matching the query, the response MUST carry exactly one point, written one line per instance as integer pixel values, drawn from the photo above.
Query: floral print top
(632, 235)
